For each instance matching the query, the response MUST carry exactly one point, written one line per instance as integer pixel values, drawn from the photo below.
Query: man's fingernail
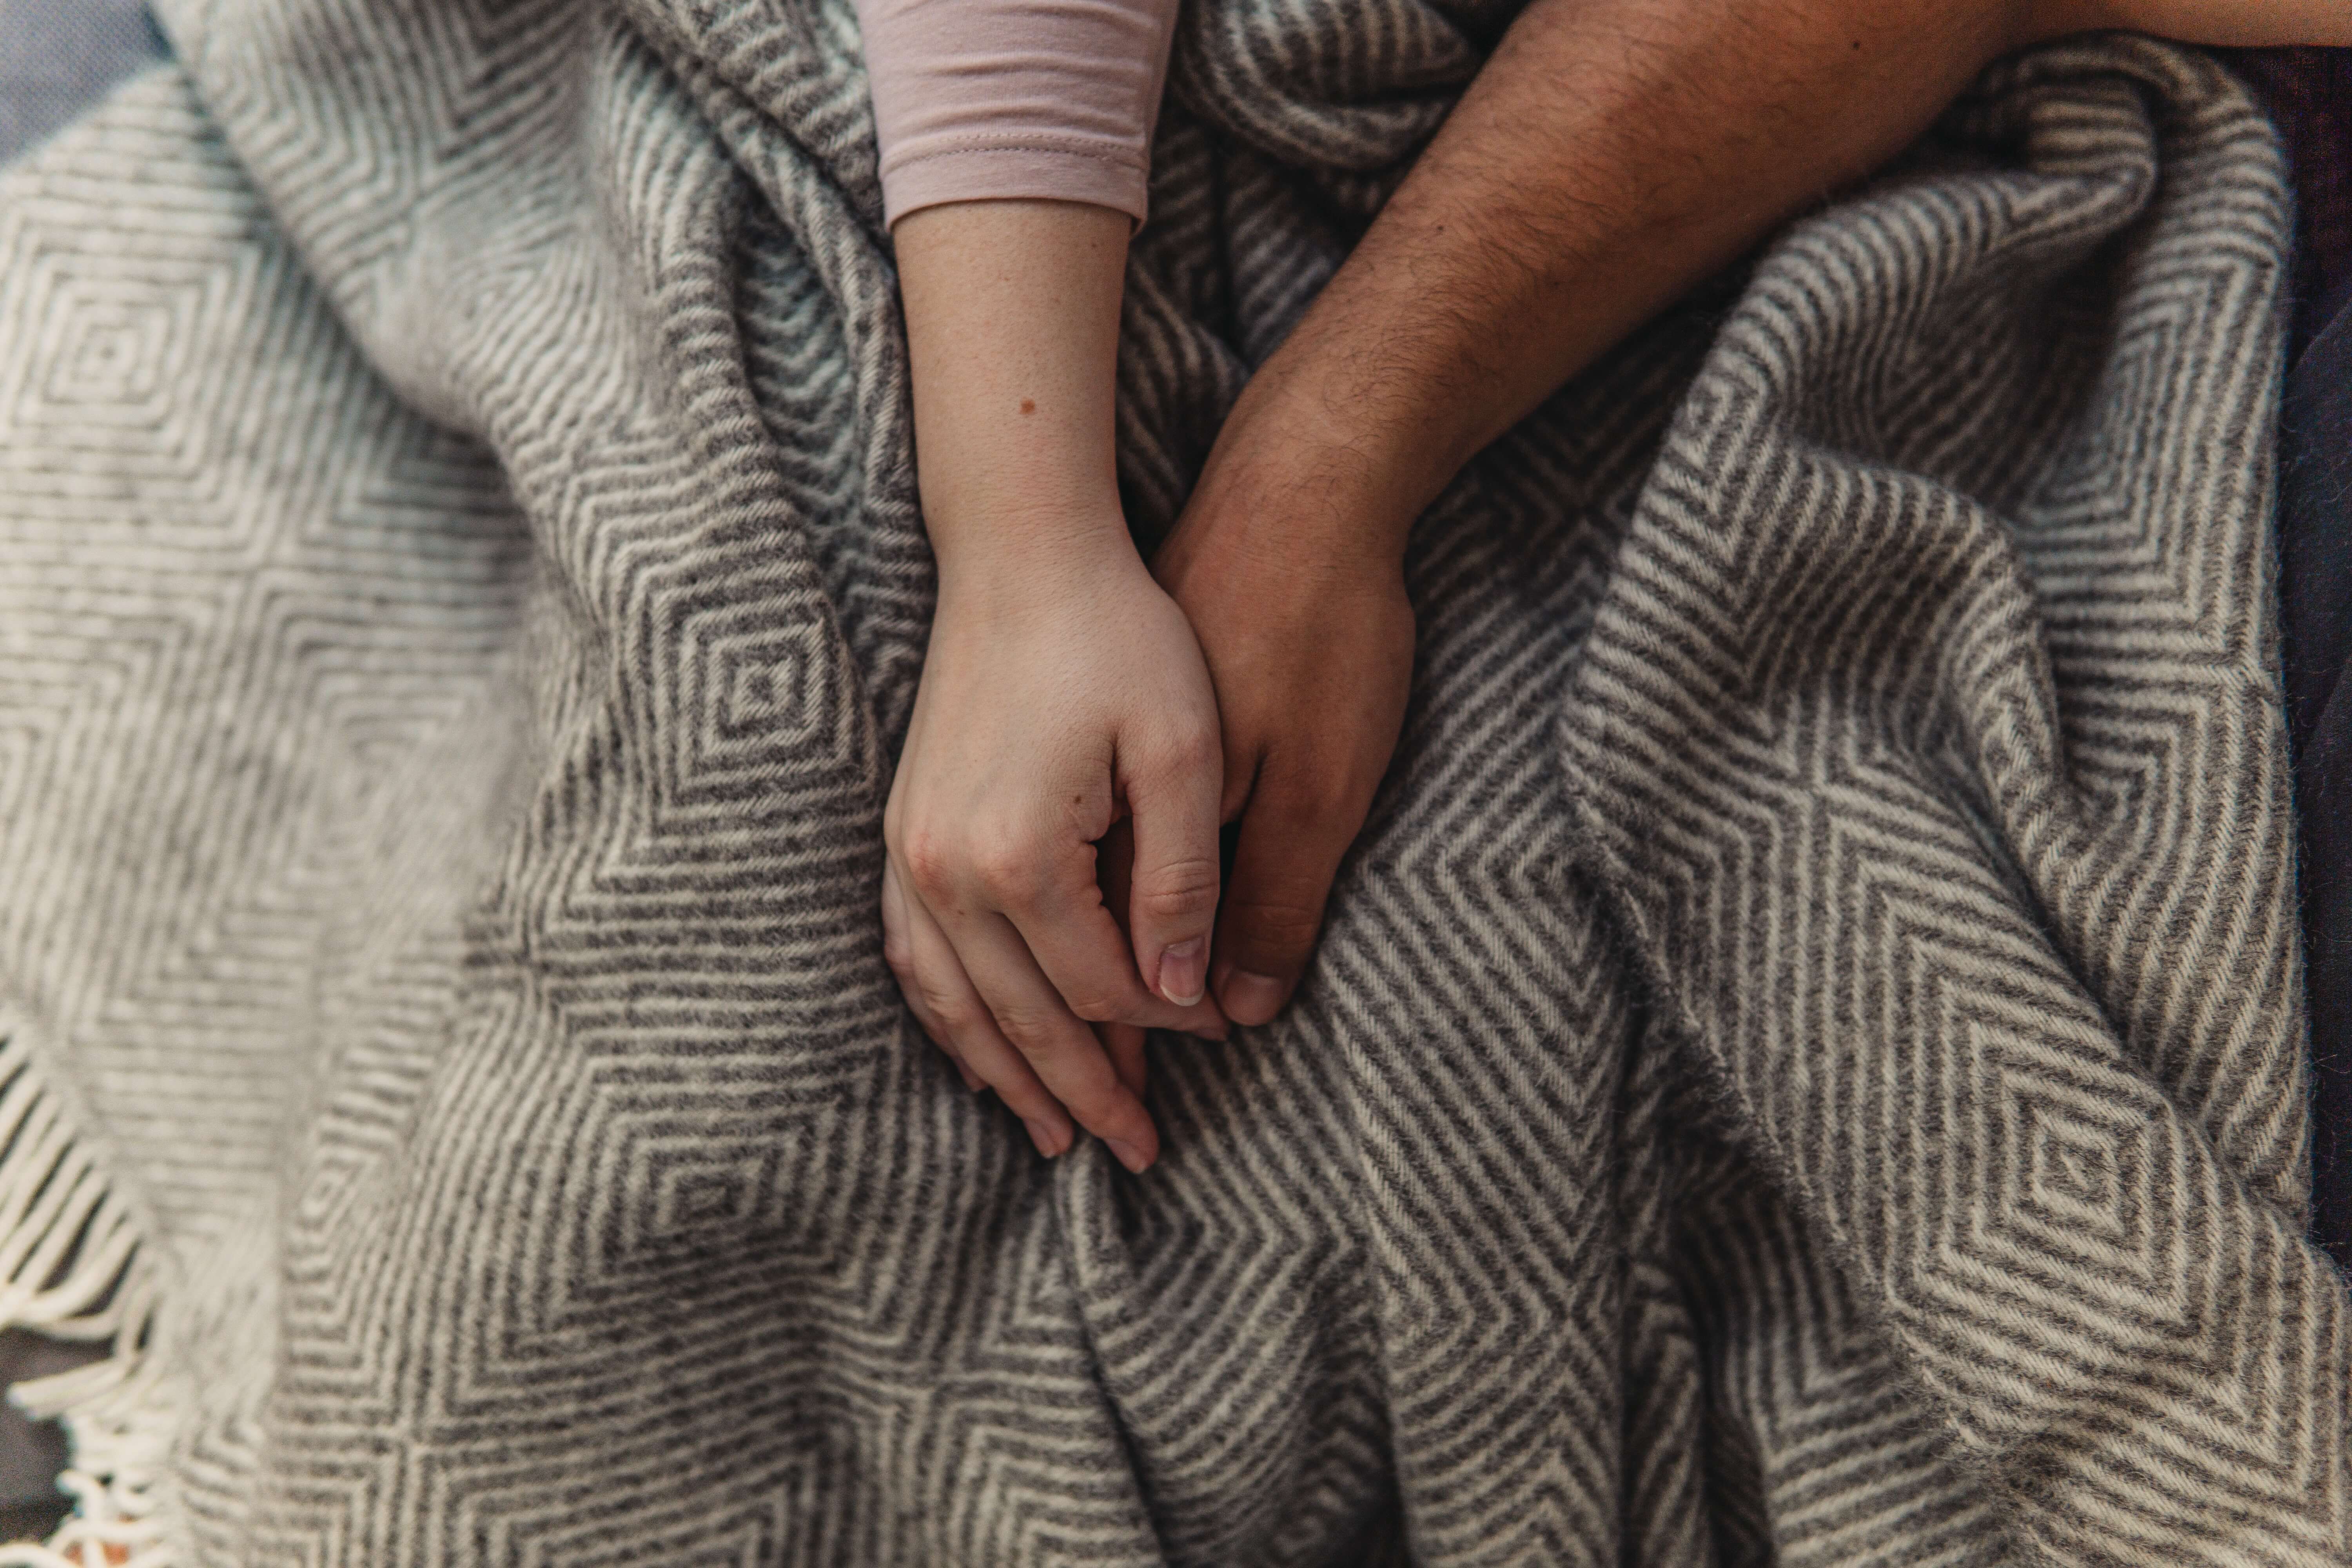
(1181, 971)
(1128, 1155)
(1049, 1140)
(1251, 998)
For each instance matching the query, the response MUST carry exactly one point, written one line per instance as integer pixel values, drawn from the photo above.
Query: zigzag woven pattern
(1805, 1064)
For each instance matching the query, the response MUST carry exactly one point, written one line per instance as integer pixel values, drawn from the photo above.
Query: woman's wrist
(1023, 502)
(1011, 312)
(1011, 559)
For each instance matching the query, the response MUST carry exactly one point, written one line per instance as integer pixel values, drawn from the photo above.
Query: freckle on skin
(1028, 406)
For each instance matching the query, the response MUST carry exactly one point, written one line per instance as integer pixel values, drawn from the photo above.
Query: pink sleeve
(978, 99)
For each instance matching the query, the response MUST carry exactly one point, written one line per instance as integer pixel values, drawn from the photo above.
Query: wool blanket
(1805, 1064)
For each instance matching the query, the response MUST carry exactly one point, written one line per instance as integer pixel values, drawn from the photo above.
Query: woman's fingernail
(1048, 1140)
(1181, 971)
(1128, 1155)
(1251, 998)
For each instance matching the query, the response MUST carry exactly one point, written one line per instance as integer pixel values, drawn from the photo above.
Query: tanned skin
(1603, 162)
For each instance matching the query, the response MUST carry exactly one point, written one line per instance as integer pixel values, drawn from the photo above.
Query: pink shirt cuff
(996, 100)
(1019, 167)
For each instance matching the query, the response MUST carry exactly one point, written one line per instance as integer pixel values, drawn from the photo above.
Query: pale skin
(1599, 166)
(1063, 690)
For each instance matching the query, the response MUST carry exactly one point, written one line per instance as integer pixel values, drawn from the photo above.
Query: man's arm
(1611, 154)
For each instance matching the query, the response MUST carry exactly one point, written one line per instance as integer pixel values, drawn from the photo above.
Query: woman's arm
(1063, 690)
(1063, 695)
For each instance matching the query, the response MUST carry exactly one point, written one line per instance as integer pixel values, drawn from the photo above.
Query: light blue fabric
(57, 56)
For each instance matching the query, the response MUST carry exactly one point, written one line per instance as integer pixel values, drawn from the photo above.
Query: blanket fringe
(71, 1268)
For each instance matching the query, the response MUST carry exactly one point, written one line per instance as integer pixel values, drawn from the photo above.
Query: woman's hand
(1061, 695)
(1063, 692)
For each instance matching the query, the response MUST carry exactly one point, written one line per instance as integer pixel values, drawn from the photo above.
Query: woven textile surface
(1806, 1061)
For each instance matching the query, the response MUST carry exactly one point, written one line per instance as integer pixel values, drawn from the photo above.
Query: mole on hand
(1028, 406)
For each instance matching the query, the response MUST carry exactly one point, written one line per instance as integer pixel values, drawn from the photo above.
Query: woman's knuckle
(1098, 1110)
(1007, 868)
(930, 862)
(1031, 1029)
(944, 1003)
(1105, 1007)
(1179, 889)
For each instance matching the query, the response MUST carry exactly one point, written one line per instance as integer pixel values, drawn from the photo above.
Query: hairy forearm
(1611, 154)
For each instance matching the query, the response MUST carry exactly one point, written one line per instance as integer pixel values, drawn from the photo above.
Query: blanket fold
(1805, 1064)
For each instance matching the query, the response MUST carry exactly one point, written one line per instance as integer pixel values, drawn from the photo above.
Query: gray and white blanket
(1805, 1064)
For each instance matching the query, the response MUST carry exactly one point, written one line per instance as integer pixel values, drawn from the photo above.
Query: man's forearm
(1611, 154)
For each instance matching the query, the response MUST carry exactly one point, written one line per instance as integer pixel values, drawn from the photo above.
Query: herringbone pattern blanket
(1805, 1066)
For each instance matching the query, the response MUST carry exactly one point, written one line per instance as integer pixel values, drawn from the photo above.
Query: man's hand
(1308, 636)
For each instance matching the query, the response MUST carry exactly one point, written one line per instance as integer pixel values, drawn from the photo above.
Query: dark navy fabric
(2309, 94)
(56, 55)
(2316, 588)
